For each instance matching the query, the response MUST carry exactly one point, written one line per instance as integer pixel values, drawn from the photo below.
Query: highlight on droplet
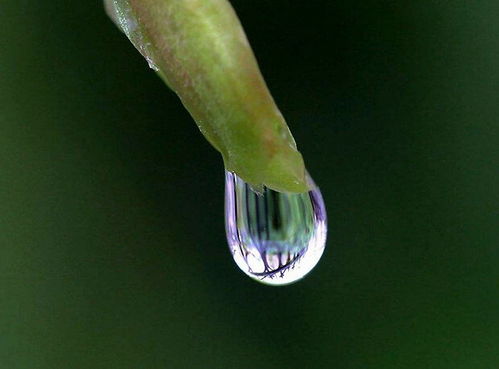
(276, 238)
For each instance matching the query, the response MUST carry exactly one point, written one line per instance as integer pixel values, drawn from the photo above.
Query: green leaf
(199, 49)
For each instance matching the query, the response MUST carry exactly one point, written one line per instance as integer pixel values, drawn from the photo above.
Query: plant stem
(200, 50)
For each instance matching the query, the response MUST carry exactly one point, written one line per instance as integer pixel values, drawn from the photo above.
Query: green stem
(200, 50)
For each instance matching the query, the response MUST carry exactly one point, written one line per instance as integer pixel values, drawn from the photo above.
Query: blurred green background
(112, 245)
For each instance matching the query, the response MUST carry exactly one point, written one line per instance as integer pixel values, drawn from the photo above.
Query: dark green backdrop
(112, 246)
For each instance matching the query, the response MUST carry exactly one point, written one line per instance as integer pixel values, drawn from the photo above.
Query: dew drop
(275, 238)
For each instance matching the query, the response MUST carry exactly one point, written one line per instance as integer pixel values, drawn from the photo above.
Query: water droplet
(275, 238)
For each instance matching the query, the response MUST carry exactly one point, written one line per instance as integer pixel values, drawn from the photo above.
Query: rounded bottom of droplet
(284, 270)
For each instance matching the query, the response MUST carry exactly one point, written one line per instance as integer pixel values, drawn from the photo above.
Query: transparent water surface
(275, 238)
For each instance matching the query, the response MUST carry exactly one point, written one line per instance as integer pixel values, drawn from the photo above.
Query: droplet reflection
(275, 238)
